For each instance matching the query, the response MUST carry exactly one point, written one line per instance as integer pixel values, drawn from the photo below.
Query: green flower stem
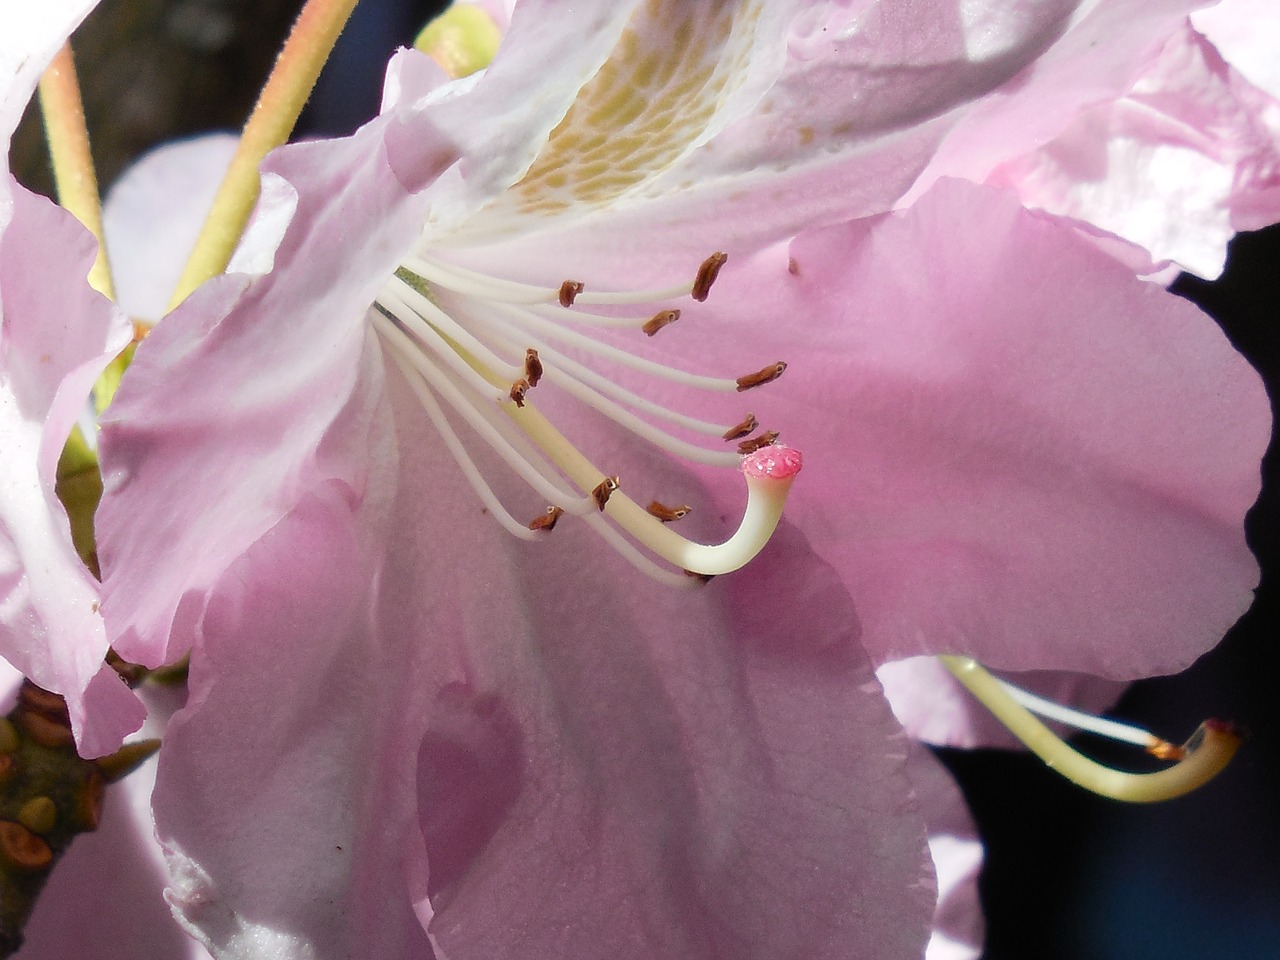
(272, 121)
(73, 170)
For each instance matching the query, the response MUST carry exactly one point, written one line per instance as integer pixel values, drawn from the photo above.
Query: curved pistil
(1203, 756)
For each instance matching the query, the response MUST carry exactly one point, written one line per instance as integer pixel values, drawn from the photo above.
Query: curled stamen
(532, 367)
(569, 291)
(668, 514)
(749, 423)
(758, 443)
(663, 318)
(1205, 754)
(769, 474)
(603, 491)
(761, 377)
(518, 391)
(547, 521)
(707, 274)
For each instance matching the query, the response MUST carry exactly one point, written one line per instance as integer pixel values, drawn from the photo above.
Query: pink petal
(279, 359)
(1014, 448)
(813, 113)
(596, 764)
(58, 335)
(32, 35)
(1104, 49)
(1187, 157)
(284, 789)
(957, 858)
(1244, 32)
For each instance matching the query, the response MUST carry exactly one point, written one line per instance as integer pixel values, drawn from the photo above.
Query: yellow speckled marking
(672, 68)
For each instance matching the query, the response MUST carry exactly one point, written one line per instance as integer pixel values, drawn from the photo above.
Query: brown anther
(707, 274)
(700, 577)
(22, 848)
(663, 318)
(569, 291)
(761, 377)
(603, 491)
(42, 701)
(532, 367)
(1164, 750)
(765, 439)
(518, 391)
(668, 514)
(38, 815)
(748, 424)
(548, 520)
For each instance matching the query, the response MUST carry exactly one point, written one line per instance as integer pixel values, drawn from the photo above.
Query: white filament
(1112, 729)
(452, 353)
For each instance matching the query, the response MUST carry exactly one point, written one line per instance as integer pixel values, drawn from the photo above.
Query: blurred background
(1069, 876)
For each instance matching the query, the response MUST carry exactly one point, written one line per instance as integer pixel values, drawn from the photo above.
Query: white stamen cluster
(481, 359)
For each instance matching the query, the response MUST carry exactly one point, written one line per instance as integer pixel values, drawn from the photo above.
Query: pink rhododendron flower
(56, 335)
(410, 729)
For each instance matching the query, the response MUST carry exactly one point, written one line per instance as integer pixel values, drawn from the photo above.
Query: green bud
(39, 815)
(462, 40)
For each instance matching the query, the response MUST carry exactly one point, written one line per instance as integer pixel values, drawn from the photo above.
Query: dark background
(1068, 875)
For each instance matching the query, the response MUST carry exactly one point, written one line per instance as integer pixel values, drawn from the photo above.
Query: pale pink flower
(408, 727)
(56, 335)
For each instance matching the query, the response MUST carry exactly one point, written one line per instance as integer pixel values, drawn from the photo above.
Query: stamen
(569, 291)
(748, 424)
(663, 318)
(761, 377)
(532, 367)
(574, 370)
(557, 331)
(640, 428)
(557, 315)
(449, 330)
(668, 514)
(482, 286)
(758, 443)
(547, 521)
(1112, 729)
(769, 474)
(707, 274)
(477, 416)
(458, 450)
(603, 491)
(427, 321)
(1205, 754)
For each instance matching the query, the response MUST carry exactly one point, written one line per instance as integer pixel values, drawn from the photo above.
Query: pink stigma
(774, 462)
